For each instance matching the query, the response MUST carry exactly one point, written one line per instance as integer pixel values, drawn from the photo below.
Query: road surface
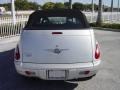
(108, 77)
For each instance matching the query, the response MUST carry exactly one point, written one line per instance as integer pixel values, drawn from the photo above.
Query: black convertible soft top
(56, 13)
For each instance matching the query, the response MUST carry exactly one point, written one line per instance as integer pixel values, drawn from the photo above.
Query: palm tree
(92, 10)
(111, 5)
(99, 17)
(111, 10)
(92, 6)
(70, 3)
(118, 5)
(13, 11)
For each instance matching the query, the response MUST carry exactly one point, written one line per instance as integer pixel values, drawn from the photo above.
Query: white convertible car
(57, 45)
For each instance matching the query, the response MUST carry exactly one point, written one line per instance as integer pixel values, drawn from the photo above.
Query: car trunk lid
(58, 47)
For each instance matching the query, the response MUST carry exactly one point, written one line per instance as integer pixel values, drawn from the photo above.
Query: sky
(105, 2)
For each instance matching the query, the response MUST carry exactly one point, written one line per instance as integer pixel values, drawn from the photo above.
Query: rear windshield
(55, 22)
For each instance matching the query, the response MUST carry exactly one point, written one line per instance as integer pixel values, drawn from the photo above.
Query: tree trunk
(118, 6)
(99, 17)
(111, 5)
(70, 4)
(13, 11)
(92, 6)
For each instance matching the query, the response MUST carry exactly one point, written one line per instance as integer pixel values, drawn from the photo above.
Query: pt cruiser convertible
(57, 45)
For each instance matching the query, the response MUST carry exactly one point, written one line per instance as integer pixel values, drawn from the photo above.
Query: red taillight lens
(97, 51)
(17, 53)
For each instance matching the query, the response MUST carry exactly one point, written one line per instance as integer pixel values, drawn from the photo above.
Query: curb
(8, 44)
(107, 29)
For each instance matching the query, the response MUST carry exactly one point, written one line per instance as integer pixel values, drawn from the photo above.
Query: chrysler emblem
(56, 50)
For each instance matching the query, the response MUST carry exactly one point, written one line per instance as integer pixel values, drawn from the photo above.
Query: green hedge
(107, 25)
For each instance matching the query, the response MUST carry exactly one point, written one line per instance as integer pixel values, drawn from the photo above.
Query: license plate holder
(56, 74)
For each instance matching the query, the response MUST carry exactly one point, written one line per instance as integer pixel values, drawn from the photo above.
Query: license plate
(58, 74)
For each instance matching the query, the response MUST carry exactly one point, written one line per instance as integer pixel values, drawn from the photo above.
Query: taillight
(17, 53)
(97, 51)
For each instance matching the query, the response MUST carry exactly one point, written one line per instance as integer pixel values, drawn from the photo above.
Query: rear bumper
(73, 71)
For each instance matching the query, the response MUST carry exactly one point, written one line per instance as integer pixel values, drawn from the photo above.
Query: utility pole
(13, 11)
(70, 4)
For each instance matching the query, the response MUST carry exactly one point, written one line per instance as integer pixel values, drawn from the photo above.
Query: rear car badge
(56, 50)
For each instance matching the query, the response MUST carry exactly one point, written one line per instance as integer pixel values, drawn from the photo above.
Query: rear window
(55, 22)
(59, 21)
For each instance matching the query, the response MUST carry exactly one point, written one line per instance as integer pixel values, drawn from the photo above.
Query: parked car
(57, 45)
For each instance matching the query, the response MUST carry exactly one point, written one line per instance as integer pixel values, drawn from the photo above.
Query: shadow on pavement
(37, 84)
(10, 80)
(82, 79)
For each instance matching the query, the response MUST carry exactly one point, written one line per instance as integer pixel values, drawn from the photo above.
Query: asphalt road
(108, 77)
